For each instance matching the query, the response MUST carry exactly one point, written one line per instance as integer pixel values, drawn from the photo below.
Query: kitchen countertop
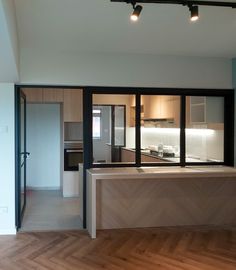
(170, 176)
(163, 172)
(146, 152)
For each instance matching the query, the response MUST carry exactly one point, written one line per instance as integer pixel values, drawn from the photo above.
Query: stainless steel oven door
(72, 157)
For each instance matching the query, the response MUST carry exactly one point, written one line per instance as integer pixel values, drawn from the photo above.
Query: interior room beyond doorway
(46, 208)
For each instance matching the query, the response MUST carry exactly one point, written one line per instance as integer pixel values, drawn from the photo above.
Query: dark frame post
(138, 129)
(87, 140)
(182, 130)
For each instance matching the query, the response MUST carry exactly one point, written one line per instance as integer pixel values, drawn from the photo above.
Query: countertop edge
(167, 172)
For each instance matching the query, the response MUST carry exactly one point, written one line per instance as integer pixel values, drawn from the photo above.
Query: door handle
(26, 154)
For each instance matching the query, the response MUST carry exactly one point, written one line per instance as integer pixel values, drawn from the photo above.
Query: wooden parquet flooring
(154, 249)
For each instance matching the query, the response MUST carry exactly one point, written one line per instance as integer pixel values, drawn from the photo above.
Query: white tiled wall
(201, 144)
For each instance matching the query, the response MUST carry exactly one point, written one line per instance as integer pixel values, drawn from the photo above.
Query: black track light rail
(181, 2)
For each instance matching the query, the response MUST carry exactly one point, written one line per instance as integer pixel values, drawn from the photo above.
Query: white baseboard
(43, 188)
(8, 231)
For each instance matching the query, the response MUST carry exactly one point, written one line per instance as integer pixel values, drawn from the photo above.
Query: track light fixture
(191, 4)
(194, 13)
(135, 15)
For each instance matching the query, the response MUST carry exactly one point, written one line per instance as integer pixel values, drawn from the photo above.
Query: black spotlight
(137, 10)
(194, 13)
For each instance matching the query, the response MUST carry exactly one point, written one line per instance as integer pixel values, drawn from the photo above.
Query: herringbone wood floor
(164, 249)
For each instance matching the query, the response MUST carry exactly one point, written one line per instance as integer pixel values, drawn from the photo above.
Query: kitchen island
(166, 196)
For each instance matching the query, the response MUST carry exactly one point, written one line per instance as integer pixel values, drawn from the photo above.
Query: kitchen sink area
(168, 157)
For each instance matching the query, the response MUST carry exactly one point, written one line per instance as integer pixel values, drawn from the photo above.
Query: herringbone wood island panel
(150, 249)
(128, 203)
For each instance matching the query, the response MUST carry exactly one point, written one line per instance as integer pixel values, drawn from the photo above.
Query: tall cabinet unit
(73, 105)
(72, 113)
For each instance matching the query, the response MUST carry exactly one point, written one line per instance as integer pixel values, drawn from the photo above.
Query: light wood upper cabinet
(162, 107)
(33, 95)
(52, 95)
(157, 107)
(73, 105)
(43, 95)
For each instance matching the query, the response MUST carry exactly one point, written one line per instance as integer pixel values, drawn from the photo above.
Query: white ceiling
(104, 26)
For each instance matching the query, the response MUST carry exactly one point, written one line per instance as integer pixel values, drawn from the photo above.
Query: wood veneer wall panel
(128, 203)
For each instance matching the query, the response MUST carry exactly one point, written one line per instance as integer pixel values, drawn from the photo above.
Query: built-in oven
(73, 155)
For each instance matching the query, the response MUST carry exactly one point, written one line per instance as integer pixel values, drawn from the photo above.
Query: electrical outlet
(3, 210)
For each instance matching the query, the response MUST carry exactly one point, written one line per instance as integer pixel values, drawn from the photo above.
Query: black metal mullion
(112, 131)
(125, 122)
(182, 130)
(229, 130)
(138, 129)
(87, 140)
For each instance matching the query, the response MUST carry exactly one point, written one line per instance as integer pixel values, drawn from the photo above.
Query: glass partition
(166, 136)
(160, 129)
(113, 128)
(204, 129)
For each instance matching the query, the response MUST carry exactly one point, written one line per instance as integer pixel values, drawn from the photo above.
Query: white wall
(200, 143)
(10, 16)
(106, 69)
(8, 43)
(7, 159)
(43, 143)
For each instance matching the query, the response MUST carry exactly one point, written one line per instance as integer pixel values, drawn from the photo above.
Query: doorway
(41, 205)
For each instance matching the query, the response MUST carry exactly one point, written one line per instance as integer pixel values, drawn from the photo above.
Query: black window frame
(227, 94)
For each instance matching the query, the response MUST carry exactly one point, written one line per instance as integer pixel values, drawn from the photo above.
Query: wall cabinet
(156, 106)
(73, 105)
(52, 95)
(72, 100)
(160, 106)
(43, 95)
(33, 95)
(201, 111)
